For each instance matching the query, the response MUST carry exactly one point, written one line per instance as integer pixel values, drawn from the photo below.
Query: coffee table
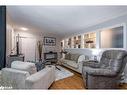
(52, 62)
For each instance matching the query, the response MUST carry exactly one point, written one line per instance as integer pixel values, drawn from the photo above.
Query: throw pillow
(74, 57)
(67, 56)
(39, 65)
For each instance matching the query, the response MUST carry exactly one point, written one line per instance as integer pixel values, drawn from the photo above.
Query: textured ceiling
(62, 20)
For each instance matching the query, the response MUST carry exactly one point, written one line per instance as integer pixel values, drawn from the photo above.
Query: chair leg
(84, 75)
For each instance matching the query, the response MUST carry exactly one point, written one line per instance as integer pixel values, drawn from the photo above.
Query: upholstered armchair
(107, 73)
(23, 75)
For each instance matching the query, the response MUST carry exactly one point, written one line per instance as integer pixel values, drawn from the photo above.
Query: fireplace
(50, 55)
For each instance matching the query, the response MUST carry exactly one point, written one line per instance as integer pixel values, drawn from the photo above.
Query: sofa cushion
(24, 66)
(71, 63)
(67, 56)
(74, 57)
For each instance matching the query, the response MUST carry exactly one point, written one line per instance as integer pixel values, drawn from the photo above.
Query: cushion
(74, 57)
(72, 63)
(39, 66)
(67, 56)
(24, 66)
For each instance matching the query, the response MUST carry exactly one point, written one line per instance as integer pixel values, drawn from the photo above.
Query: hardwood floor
(74, 82)
(123, 86)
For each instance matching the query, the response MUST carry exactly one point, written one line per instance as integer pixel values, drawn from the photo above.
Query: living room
(48, 47)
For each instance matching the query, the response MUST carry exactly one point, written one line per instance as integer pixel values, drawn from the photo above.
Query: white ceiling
(62, 20)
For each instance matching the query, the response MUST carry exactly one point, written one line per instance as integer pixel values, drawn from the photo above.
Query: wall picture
(50, 41)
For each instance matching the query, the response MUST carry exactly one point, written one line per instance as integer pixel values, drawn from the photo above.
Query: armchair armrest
(100, 71)
(81, 58)
(93, 64)
(42, 79)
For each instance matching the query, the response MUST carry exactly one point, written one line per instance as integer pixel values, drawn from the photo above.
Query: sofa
(73, 61)
(107, 73)
(23, 75)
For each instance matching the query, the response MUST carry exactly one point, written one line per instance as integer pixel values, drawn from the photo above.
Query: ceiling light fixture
(24, 29)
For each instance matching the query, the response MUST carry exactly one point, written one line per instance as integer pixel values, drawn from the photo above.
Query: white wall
(9, 39)
(52, 48)
(9, 35)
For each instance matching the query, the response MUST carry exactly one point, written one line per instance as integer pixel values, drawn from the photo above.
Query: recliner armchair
(107, 73)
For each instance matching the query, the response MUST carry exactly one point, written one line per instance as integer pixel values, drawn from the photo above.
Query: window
(112, 38)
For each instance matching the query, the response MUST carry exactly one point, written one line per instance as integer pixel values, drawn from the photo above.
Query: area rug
(62, 73)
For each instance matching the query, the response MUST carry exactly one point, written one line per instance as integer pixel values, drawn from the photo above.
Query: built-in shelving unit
(111, 37)
(87, 40)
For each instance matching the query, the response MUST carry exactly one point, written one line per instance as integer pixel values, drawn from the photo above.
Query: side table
(12, 58)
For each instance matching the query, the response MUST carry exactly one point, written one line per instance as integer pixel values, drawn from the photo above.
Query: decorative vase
(39, 44)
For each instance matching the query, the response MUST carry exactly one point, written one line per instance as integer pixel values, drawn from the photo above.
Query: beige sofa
(73, 61)
(23, 75)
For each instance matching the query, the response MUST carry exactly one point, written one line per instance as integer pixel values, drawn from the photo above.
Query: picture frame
(49, 41)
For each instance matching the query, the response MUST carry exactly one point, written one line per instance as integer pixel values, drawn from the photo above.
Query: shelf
(79, 41)
(90, 37)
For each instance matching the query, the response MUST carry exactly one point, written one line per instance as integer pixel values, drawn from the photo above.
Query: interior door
(28, 47)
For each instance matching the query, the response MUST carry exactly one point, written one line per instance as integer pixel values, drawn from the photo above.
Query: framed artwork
(49, 41)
